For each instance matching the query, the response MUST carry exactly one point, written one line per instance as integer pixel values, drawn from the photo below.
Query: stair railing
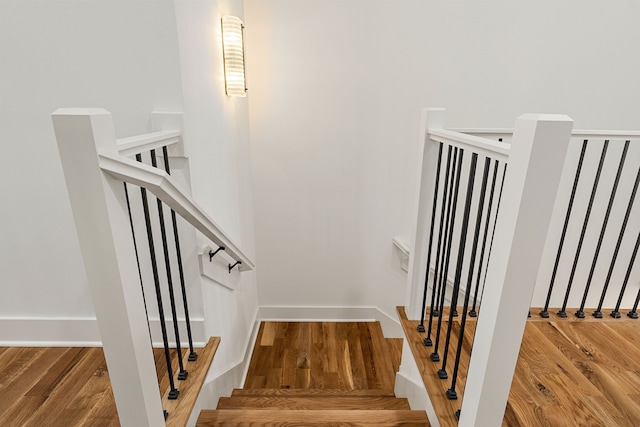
(595, 268)
(97, 172)
(501, 235)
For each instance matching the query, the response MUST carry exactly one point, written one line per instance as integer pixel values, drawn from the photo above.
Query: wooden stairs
(288, 406)
(266, 407)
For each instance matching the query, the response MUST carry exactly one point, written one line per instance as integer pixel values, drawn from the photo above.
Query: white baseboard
(250, 345)
(417, 396)
(49, 332)
(390, 325)
(220, 386)
(409, 384)
(78, 332)
(84, 332)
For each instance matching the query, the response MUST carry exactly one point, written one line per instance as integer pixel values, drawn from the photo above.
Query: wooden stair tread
(382, 355)
(180, 409)
(313, 402)
(231, 417)
(310, 392)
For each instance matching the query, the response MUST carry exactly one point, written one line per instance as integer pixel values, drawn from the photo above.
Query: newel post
(432, 118)
(535, 165)
(99, 209)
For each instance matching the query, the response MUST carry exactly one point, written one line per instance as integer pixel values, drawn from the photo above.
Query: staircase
(315, 405)
(312, 408)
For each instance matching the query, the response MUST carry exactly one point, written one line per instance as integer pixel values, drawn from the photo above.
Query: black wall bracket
(232, 266)
(212, 253)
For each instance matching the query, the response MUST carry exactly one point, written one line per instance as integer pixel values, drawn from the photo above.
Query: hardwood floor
(323, 355)
(571, 372)
(69, 386)
(55, 387)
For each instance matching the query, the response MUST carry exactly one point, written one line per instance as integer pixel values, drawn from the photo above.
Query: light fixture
(233, 52)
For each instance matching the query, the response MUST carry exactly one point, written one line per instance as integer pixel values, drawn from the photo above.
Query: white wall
(131, 58)
(220, 173)
(122, 56)
(336, 89)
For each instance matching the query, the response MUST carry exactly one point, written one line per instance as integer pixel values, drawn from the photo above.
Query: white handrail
(141, 143)
(576, 133)
(483, 146)
(164, 187)
(617, 134)
(484, 131)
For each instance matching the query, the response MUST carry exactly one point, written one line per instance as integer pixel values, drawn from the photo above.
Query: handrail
(485, 131)
(576, 133)
(483, 146)
(138, 144)
(621, 134)
(165, 188)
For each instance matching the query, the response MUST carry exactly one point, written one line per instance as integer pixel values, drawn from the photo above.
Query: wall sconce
(233, 52)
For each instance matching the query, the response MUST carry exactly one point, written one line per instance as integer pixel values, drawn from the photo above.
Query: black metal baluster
(473, 312)
(448, 201)
(174, 392)
(616, 312)
(563, 313)
(433, 219)
(135, 248)
(442, 373)
(436, 276)
(460, 154)
(545, 311)
(192, 354)
(634, 311)
(495, 223)
(438, 309)
(451, 393)
(598, 312)
(580, 312)
(182, 375)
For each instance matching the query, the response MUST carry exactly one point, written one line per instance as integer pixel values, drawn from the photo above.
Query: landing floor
(323, 355)
(571, 372)
(70, 386)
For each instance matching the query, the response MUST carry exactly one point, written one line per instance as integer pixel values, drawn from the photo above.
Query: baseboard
(250, 345)
(409, 384)
(78, 332)
(214, 389)
(84, 332)
(390, 325)
(243, 362)
(417, 396)
(221, 384)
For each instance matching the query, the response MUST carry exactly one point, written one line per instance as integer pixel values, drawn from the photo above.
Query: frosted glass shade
(233, 52)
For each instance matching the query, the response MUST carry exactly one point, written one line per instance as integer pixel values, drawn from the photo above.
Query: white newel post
(535, 164)
(102, 223)
(432, 118)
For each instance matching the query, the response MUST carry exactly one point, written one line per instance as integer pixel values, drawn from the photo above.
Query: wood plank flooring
(323, 355)
(69, 386)
(53, 387)
(571, 372)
